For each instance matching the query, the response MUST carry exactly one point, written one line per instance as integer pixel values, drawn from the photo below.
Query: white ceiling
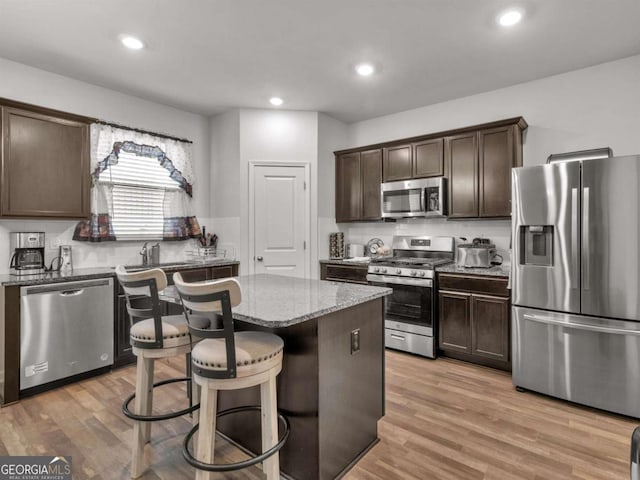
(207, 56)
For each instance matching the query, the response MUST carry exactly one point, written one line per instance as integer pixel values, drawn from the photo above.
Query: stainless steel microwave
(424, 197)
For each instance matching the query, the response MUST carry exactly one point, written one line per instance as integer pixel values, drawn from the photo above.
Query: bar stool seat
(175, 330)
(253, 350)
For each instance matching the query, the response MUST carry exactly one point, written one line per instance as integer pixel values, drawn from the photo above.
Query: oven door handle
(412, 282)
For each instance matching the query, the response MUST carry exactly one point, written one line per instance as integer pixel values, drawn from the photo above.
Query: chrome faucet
(145, 254)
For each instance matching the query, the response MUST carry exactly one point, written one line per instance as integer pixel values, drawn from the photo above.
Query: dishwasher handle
(66, 289)
(71, 293)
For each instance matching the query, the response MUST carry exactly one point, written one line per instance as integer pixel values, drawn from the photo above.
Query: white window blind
(138, 187)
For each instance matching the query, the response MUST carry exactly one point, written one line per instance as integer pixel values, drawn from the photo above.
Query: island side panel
(351, 385)
(297, 386)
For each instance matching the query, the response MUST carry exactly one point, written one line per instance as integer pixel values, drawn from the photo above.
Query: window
(138, 185)
(142, 187)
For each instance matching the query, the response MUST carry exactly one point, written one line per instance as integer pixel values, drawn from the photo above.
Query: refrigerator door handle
(585, 238)
(580, 326)
(574, 238)
(635, 454)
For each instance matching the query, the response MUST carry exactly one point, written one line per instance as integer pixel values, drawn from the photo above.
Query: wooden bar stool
(153, 336)
(226, 360)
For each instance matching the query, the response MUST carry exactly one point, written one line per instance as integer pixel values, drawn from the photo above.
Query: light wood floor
(445, 420)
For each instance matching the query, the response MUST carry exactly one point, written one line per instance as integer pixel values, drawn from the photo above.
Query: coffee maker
(28, 253)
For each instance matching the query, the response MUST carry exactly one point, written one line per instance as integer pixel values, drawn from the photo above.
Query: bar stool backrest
(143, 288)
(217, 296)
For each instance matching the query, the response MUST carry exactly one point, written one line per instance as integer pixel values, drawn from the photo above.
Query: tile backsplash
(85, 255)
(498, 231)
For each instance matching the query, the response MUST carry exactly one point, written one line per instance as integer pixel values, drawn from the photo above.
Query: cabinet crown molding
(520, 121)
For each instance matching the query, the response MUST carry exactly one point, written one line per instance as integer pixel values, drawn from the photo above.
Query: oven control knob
(376, 269)
(383, 270)
(422, 274)
(413, 273)
(399, 271)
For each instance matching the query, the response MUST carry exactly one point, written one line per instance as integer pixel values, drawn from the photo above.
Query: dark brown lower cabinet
(474, 320)
(123, 354)
(455, 322)
(193, 275)
(490, 327)
(223, 272)
(337, 272)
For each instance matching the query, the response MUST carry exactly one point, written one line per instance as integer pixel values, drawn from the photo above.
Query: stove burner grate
(412, 261)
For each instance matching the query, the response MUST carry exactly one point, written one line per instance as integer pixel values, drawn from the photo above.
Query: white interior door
(280, 220)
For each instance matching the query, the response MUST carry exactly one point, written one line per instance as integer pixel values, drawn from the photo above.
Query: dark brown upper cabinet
(416, 160)
(479, 170)
(371, 169)
(462, 167)
(497, 156)
(348, 187)
(397, 163)
(45, 164)
(428, 160)
(358, 178)
(475, 160)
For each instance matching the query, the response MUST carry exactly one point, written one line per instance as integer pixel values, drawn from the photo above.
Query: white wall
(332, 136)
(593, 107)
(31, 85)
(225, 181)
(243, 136)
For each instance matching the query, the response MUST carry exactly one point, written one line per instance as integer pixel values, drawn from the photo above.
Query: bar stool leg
(150, 364)
(271, 466)
(141, 432)
(207, 431)
(195, 393)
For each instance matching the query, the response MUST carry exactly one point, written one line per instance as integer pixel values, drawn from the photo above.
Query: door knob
(259, 259)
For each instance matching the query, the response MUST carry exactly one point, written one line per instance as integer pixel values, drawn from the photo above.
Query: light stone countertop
(495, 271)
(346, 261)
(277, 301)
(78, 274)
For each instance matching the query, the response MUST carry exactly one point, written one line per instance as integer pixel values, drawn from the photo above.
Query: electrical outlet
(355, 341)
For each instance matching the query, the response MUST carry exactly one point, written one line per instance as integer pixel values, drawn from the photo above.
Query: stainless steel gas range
(410, 312)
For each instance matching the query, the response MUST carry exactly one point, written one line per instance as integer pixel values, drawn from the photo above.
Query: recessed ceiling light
(510, 17)
(276, 101)
(132, 42)
(365, 69)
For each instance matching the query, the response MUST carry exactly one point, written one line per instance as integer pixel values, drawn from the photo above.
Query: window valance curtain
(107, 144)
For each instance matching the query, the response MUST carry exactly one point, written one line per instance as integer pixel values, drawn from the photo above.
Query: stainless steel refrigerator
(576, 282)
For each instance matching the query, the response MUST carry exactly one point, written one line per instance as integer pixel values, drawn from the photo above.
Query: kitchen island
(331, 386)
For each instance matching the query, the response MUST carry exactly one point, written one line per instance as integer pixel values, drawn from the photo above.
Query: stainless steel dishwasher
(66, 329)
